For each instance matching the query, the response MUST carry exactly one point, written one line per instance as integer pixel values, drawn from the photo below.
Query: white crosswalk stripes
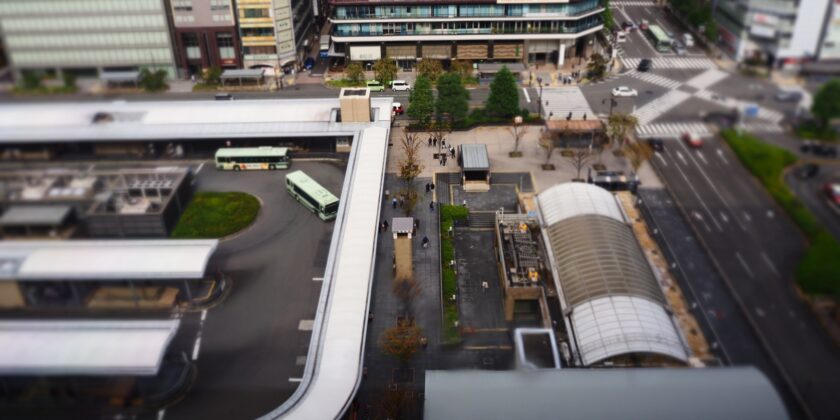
(654, 79)
(672, 62)
(633, 3)
(562, 100)
(672, 130)
(761, 127)
(707, 78)
(763, 113)
(652, 110)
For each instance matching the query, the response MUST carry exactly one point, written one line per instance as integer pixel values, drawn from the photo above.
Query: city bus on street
(660, 40)
(312, 195)
(252, 158)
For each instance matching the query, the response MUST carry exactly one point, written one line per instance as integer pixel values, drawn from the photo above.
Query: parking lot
(249, 350)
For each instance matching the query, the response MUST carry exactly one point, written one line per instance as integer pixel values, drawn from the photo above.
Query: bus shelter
(253, 76)
(475, 167)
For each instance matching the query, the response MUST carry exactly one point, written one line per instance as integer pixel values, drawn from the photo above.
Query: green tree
(153, 81)
(827, 102)
(452, 98)
(385, 70)
(212, 76)
(421, 104)
(430, 68)
(355, 73)
(69, 80)
(504, 95)
(620, 125)
(597, 67)
(607, 16)
(32, 80)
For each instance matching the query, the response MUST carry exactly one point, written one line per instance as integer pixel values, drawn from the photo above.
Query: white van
(400, 85)
(688, 40)
(620, 37)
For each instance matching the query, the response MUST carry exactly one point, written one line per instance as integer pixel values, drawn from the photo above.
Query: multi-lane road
(755, 247)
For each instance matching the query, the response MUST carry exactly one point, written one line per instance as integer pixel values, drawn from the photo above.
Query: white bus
(252, 158)
(312, 195)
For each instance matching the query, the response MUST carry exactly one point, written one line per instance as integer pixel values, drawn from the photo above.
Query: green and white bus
(312, 195)
(660, 40)
(245, 158)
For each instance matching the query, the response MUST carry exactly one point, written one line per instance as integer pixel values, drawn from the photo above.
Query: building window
(255, 13)
(257, 32)
(191, 46)
(182, 5)
(225, 43)
(219, 5)
(260, 50)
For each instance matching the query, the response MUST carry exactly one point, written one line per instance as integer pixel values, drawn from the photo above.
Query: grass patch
(216, 214)
(204, 87)
(817, 271)
(342, 83)
(45, 90)
(448, 215)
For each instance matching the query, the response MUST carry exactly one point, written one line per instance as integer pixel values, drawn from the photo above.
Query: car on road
(224, 97)
(624, 91)
(645, 64)
(692, 140)
(817, 148)
(679, 48)
(832, 192)
(375, 86)
(688, 40)
(397, 108)
(657, 145)
(620, 37)
(400, 85)
(628, 26)
(788, 96)
(807, 171)
(643, 25)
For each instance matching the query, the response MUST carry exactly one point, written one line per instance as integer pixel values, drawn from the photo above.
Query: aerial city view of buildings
(408, 209)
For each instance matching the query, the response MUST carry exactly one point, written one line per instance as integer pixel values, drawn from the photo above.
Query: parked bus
(312, 195)
(660, 40)
(243, 158)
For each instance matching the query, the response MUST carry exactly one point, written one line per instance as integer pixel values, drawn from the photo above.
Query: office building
(274, 32)
(86, 36)
(535, 32)
(205, 35)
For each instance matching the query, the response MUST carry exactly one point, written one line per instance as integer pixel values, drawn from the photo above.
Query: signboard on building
(365, 52)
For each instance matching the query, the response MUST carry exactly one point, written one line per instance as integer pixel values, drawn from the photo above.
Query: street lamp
(539, 83)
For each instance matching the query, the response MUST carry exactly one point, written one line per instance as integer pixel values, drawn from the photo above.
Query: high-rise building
(274, 32)
(776, 32)
(87, 36)
(531, 31)
(205, 35)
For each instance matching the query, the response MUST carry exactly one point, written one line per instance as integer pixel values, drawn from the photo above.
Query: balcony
(571, 10)
(340, 32)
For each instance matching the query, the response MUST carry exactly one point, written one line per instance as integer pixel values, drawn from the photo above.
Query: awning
(365, 52)
(243, 74)
(439, 52)
(119, 76)
(401, 52)
(474, 157)
(35, 215)
(83, 347)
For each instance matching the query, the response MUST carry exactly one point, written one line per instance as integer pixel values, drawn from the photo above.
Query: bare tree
(396, 403)
(518, 131)
(410, 168)
(620, 125)
(579, 158)
(401, 341)
(637, 153)
(547, 143)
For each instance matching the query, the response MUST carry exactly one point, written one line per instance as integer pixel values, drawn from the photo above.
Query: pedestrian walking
(452, 151)
(394, 202)
(434, 142)
(416, 224)
(584, 116)
(444, 160)
(385, 224)
(402, 200)
(427, 188)
(432, 205)
(430, 141)
(425, 242)
(432, 186)
(442, 142)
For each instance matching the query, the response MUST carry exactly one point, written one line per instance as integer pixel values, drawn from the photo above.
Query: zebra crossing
(760, 127)
(672, 130)
(654, 79)
(653, 109)
(672, 62)
(707, 78)
(560, 101)
(766, 114)
(632, 3)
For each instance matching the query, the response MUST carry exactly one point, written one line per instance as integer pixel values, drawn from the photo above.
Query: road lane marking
(662, 159)
(527, 97)
(199, 168)
(306, 324)
(747, 217)
(723, 217)
(744, 264)
(703, 158)
(161, 413)
(696, 194)
(682, 158)
(196, 346)
(203, 315)
(714, 187)
(295, 379)
(317, 279)
(769, 263)
(769, 214)
(300, 361)
(722, 157)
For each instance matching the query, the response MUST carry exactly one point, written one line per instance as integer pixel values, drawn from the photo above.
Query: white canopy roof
(616, 325)
(84, 347)
(563, 201)
(334, 366)
(105, 260)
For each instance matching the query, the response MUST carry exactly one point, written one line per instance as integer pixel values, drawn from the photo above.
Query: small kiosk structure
(403, 230)
(475, 167)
